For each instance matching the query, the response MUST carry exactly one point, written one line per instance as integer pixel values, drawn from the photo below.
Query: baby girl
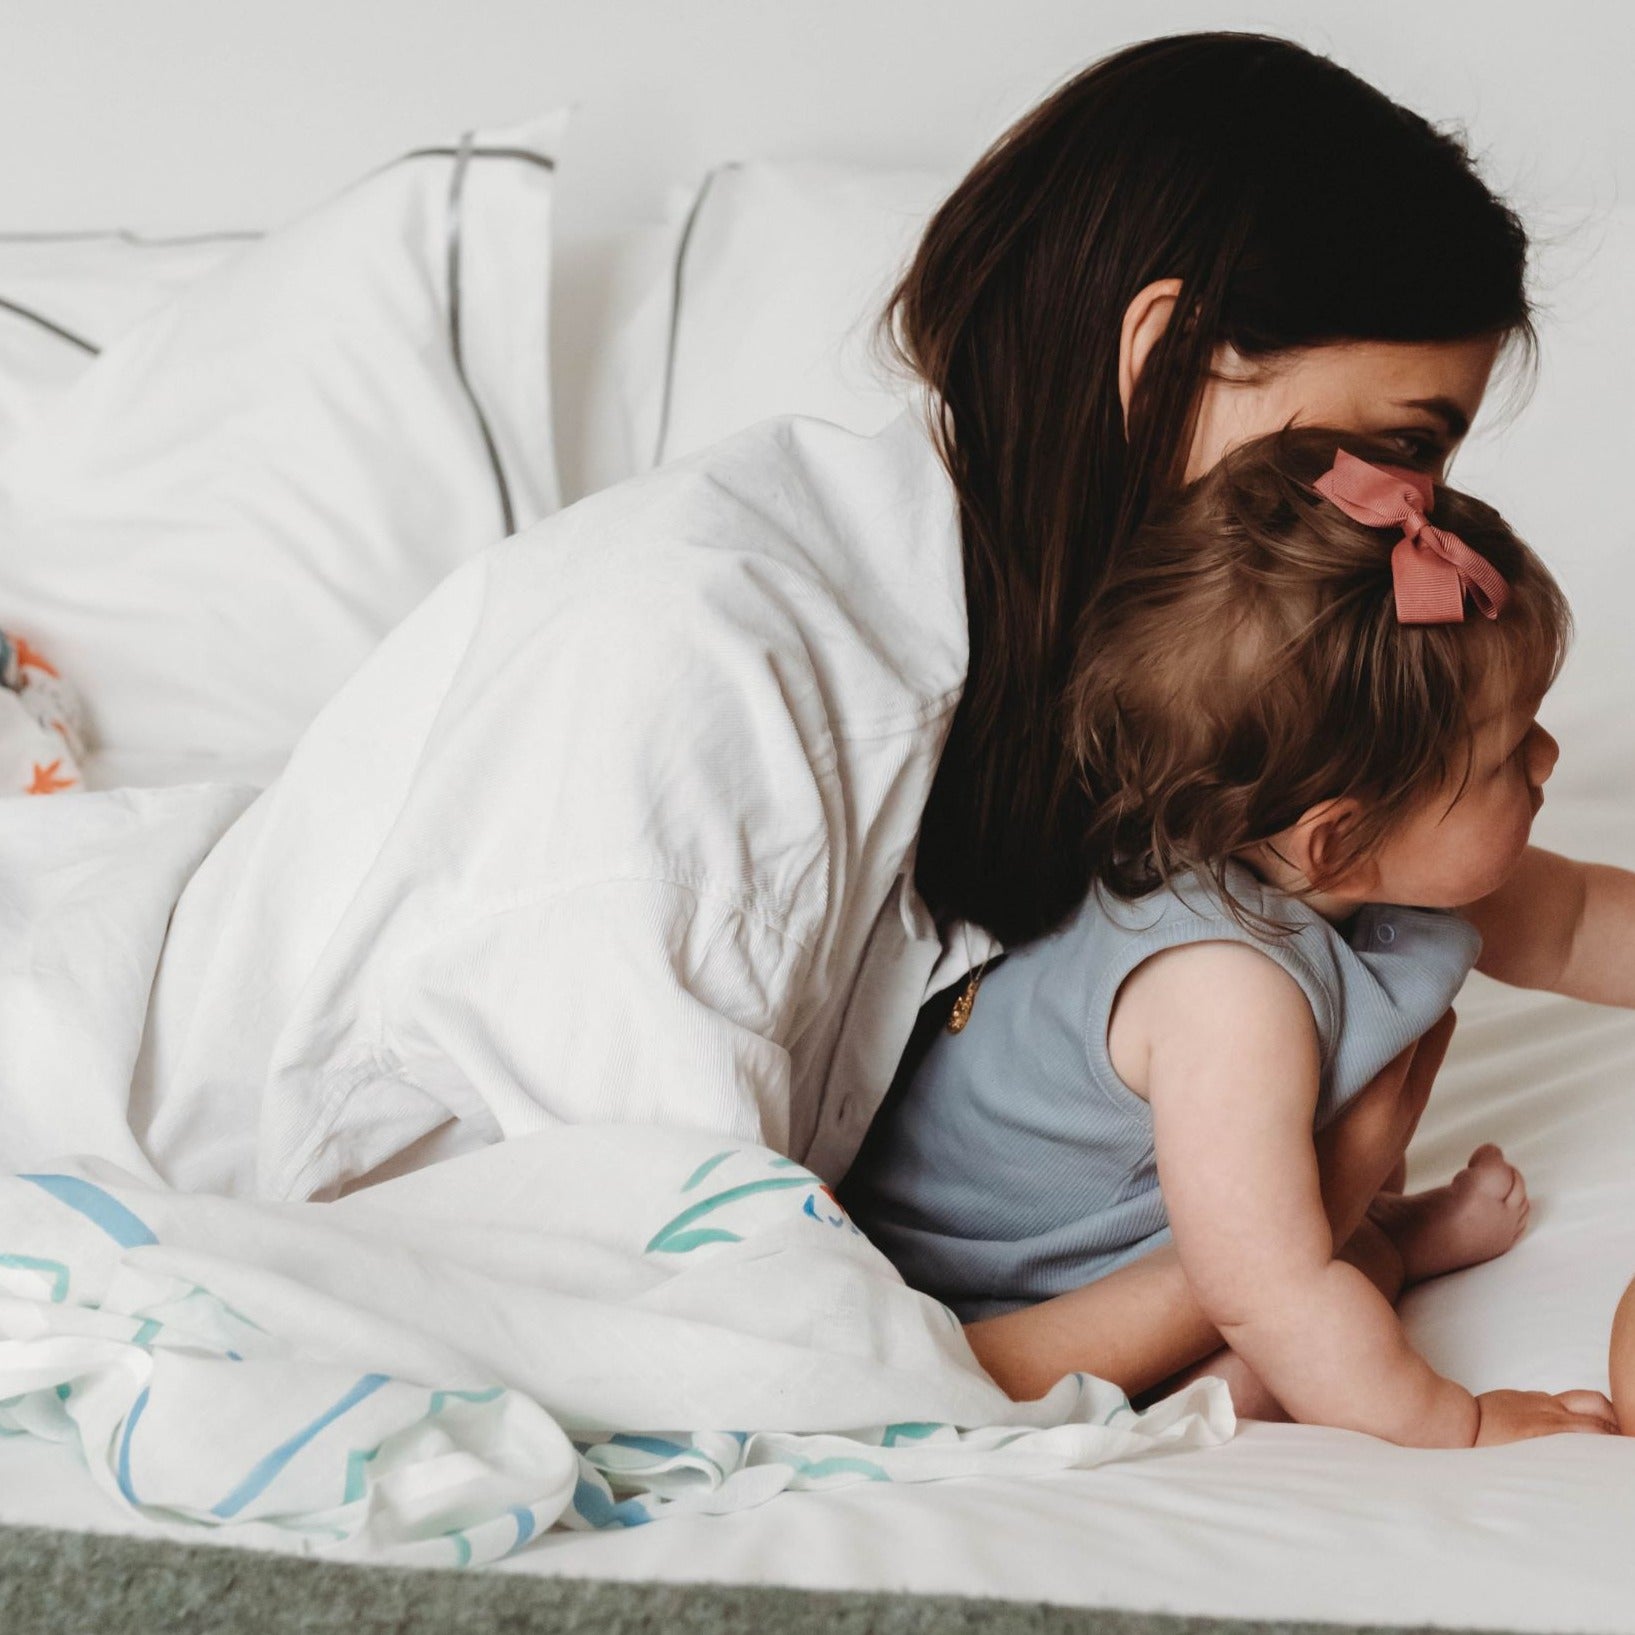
(1306, 713)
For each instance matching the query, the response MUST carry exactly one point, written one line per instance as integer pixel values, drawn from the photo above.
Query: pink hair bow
(1431, 569)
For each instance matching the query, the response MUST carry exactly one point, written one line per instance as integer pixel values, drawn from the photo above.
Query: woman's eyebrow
(1445, 409)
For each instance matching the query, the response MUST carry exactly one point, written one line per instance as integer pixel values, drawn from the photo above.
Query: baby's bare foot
(1478, 1215)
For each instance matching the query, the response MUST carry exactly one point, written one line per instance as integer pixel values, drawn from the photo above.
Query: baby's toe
(1491, 1174)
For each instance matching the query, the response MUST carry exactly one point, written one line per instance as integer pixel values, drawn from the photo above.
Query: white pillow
(65, 296)
(770, 303)
(600, 283)
(244, 493)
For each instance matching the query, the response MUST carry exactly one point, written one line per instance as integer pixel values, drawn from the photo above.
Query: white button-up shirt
(619, 826)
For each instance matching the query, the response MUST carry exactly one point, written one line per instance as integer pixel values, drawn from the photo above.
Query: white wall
(173, 114)
(186, 114)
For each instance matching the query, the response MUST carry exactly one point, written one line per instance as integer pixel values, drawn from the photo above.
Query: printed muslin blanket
(595, 1327)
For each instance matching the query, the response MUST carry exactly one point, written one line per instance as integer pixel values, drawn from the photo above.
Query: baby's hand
(1514, 1416)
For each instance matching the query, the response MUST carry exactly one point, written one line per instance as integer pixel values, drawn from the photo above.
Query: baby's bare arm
(1233, 1089)
(1561, 925)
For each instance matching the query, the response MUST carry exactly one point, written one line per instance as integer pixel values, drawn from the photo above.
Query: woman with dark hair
(677, 808)
(1198, 240)
(1194, 242)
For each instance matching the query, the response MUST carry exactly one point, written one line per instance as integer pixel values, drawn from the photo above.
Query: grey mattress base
(67, 1583)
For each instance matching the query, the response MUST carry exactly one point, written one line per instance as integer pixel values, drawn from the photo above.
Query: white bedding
(1289, 1522)
(252, 485)
(1283, 1522)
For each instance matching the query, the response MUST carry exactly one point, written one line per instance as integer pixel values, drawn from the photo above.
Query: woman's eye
(1420, 451)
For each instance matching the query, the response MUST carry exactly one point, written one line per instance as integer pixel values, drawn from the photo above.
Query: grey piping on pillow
(462, 155)
(142, 241)
(462, 159)
(86, 235)
(527, 155)
(48, 324)
(668, 386)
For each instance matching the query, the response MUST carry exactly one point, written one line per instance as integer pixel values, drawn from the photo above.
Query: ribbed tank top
(1013, 1164)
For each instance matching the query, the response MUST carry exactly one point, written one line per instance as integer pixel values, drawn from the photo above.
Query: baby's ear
(1317, 846)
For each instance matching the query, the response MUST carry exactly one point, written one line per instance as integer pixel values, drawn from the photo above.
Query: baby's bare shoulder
(1199, 997)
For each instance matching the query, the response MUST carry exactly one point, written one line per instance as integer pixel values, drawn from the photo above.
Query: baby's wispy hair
(1244, 663)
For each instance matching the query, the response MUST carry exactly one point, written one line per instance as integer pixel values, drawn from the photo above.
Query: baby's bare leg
(1476, 1217)
(1363, 1150)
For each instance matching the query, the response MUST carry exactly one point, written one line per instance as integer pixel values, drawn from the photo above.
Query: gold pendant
(963, 1006)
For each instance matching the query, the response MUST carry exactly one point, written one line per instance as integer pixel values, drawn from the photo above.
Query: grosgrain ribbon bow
(1431, 569)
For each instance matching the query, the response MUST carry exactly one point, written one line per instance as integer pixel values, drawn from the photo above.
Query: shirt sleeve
(629, 802)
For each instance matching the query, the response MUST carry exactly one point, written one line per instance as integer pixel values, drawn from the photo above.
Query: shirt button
(1385, 935)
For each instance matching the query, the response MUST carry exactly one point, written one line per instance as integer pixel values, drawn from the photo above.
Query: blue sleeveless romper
(1013, 1164)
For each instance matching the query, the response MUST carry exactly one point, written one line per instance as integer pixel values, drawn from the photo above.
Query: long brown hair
(1286, 195)
(1244, 663)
